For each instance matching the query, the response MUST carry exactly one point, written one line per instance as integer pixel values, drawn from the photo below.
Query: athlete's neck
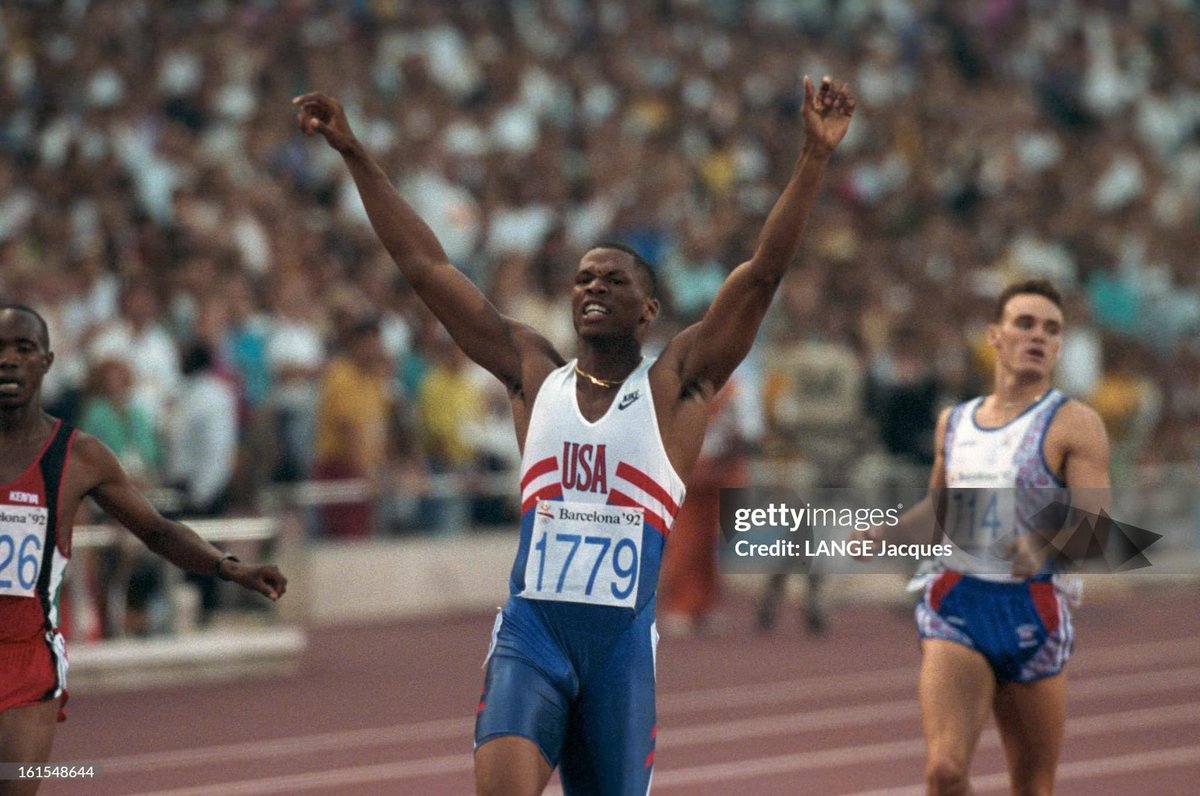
(612, 362)
(18, 421)
(1012, 393)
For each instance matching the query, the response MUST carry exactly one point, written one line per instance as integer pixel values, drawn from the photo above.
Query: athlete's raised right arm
(476, 325)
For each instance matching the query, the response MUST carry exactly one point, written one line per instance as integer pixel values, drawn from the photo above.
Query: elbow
(763, 272)
(767, 268)
(769, 281)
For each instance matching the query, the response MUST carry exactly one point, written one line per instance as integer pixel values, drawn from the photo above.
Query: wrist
(814, 150)
(219, 568)
(353, 148)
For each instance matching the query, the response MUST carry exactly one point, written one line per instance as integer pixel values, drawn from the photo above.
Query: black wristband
(222, 560)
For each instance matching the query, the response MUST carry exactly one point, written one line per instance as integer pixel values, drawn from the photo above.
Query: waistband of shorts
(998, 586)
(38, 638)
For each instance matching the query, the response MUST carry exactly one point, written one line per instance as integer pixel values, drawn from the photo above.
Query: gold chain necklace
(606, 384)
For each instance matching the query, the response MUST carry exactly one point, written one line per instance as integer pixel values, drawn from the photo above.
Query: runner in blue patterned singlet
(995, 628)
(607, 443)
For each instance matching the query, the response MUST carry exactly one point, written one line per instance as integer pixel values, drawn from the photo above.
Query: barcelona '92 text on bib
(22, 542)
(584, 553)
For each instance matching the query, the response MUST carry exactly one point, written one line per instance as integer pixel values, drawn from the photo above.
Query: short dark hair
(1036, 287)
(643, 265)
(43, 329)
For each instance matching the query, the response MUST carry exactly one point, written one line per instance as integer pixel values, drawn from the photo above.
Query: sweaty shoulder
(91, 462)
(1078, 433)
(538, 358)
(666, 374)
(1075, 418)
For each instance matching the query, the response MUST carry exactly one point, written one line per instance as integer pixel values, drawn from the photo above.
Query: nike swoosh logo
(628, 399)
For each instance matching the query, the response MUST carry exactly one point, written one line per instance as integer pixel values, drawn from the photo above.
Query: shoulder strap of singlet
(952, 426)
(52, 463)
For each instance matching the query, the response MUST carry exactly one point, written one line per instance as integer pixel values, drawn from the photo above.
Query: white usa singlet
(597, 499)
(997, 482)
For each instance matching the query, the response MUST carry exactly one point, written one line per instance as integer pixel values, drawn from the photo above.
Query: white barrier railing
(1164, 499)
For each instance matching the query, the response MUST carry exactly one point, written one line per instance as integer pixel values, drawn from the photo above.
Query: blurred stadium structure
(153, 192)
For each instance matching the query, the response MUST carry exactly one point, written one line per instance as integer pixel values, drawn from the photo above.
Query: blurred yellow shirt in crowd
(352, 416)
(1117, 399)
(449, 402)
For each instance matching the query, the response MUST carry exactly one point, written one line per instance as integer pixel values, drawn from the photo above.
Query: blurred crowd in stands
(224, 318)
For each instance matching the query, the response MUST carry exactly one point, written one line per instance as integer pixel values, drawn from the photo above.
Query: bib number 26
(20, 562)
(22, 542)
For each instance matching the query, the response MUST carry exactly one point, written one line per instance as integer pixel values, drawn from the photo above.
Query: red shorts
(30, 673)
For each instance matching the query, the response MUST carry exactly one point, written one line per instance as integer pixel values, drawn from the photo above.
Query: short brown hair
(1036, 287)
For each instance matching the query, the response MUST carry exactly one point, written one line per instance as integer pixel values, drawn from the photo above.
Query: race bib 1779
(584, 553)
(22, 541)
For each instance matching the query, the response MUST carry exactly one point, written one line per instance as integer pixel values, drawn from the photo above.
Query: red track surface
(388, 710)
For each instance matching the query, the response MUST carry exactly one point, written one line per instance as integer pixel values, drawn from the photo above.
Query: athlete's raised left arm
(116, 493)
(711, 349)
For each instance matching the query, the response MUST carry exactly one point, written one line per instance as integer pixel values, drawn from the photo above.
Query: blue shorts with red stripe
(1022, 628)
(577, 680)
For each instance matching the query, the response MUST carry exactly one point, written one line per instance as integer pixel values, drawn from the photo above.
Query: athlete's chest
(1006, 456)
(18, 459)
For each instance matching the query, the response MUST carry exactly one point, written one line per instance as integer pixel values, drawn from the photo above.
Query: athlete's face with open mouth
(1028, 337)
(609, 296)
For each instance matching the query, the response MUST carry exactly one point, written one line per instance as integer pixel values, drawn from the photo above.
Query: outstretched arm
(476, 325)
(116, 494)
(714, 346)
(922, 522)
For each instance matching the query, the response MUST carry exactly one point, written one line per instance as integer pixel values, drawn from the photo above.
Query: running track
(387, 709)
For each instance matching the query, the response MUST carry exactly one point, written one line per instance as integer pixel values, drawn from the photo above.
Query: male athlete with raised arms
(607, 442)
(46, 470)
(995, 630)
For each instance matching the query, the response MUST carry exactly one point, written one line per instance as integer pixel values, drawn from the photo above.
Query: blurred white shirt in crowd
(202, 432)
(153, 357)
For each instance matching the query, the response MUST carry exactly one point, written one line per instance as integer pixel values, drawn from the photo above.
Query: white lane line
(1133, 762)
(1091, 660)
(1121, 721)
(330, 780)
(440, 729)
(864, 715)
